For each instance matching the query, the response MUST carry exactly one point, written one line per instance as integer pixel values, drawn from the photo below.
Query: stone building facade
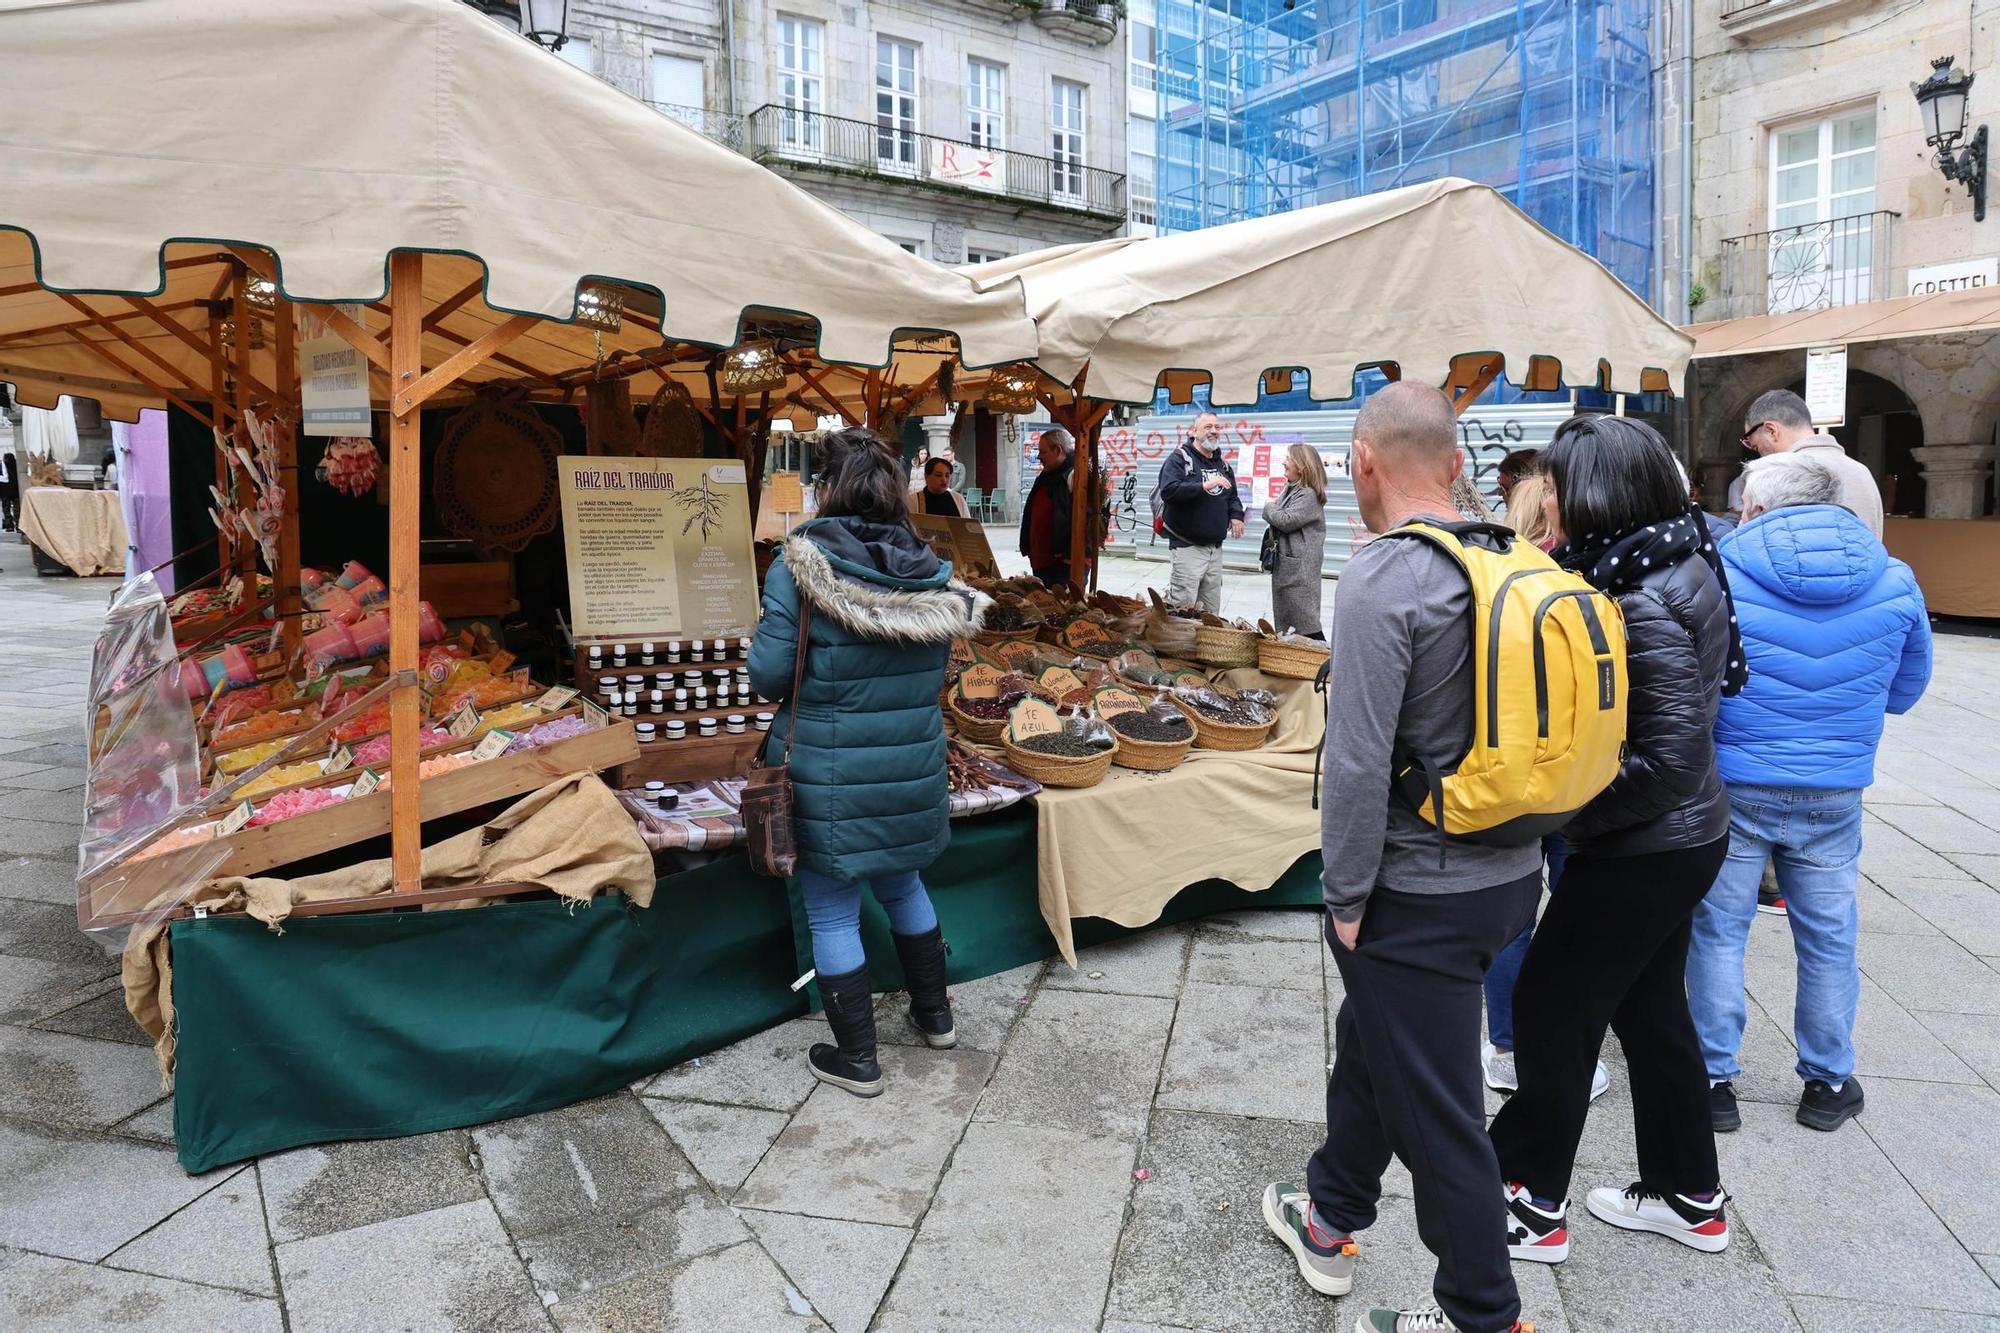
(1813, 190)
(963, 130)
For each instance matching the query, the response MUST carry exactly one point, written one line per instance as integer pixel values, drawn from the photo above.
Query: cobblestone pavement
(997, 1186)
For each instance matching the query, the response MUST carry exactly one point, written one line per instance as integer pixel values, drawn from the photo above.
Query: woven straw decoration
(495, 474)
(673, 427)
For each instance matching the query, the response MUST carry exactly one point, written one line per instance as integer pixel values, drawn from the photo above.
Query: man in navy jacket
(1200, 507)
(1836, 636)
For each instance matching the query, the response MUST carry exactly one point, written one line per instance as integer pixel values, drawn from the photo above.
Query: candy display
(284, 775)
(257, 726)
(288, 803)
(481, 693)
(511, 716)
(350, 465)
(175, 840)
(238, 761)
(546, 733)
(370, 753)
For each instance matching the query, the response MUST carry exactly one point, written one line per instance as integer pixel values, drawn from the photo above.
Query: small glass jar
(708, 727)
(656, 702)
(606, 684)
(667, 801)
(596, 658)
(663, 680)
(654, 788)
(764, 721)
(646, 654)
(618, 654)
(695, 653)
(635, 681)
(680, 701)
(700, 697)
(743, 647)
(737, 723)
(631, 705)
(677, 730)
(721, 649)
(647, 732)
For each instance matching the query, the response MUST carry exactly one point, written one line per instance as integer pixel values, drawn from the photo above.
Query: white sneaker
(1697, 1225)
(1499, 1068)
(1537, 1236)
(1600, 1082)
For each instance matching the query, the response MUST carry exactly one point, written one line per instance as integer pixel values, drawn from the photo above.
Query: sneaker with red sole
(1771, 904)
(1535, 1233)
(1697, 1225)
(1424, 1319)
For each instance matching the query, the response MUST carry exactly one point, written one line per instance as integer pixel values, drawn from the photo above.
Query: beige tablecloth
(83, 529)
(1124, 848)
(1956, 561)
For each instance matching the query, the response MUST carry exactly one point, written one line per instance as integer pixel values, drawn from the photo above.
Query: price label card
(501, 661)
(463, 722)
(1032, 717)
(234, 820)
(1110, 703)
(980, 681)
(556, 699)
(365, 784)
(594, 715)
(1193, 678)
(340, 760)
(962, 653)
(1017, 654)
(1060, 681)
(1085, 633)
(493, 745)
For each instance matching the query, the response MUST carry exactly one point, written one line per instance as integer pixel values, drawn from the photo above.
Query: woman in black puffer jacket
(1611, 949)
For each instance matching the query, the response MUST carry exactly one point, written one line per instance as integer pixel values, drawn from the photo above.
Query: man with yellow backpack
(1478, 702)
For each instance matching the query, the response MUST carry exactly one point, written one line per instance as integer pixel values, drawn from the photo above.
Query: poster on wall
(333, 377)
(961, 541)
(1826, 385)
(657, 548)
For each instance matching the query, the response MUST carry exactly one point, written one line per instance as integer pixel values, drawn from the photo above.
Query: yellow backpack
(1548, 695)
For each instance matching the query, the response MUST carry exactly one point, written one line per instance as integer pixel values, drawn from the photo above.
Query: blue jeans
(1506, 969)
(1813, 839)
(833, 911)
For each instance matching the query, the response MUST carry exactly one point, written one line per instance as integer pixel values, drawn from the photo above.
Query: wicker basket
(991, 637)
(1223, 646)
(1212, 735)
(1057, 770)
(1151, 756)
(1172, 637)
(1292, 661)
(979, 729)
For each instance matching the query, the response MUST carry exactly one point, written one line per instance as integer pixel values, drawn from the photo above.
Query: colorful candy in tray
(367, 722)
(370, 753)
(257, 726)
(482, 693)
(284, 775)
(237, 761)
(301, 801)
(512, 717)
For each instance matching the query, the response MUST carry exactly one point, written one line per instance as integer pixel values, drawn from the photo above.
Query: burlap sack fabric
(572, 838)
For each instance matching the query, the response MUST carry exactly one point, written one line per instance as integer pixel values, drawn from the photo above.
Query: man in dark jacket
(1200, 508)
(1836, 636)
(1047, 520)
(1412, 931)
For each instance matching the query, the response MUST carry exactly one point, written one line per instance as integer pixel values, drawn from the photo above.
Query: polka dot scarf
(1617, 563)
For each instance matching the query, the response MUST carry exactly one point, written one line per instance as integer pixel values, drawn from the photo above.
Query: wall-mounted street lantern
(1941, 99)
(546, 22)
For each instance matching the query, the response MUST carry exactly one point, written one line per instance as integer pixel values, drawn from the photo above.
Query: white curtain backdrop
(47, 434)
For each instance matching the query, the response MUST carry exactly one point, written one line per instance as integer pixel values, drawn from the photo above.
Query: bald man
(1413, 924)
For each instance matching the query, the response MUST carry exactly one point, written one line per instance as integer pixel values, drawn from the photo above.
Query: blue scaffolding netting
(1265, 106)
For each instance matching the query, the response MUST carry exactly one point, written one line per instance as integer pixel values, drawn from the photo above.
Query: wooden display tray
(113, 897)
(697, 757)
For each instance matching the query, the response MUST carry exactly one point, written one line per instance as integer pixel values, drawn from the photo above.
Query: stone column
(1955, 477)
(937, 444)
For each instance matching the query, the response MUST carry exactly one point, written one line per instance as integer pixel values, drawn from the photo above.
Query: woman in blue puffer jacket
(1836, 636)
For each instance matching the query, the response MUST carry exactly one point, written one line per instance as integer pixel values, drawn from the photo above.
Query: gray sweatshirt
(1402, 671)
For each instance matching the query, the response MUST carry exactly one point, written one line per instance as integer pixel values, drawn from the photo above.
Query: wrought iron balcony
(782, 136)
(1814, 266)
(1091, 20)
(724, 128)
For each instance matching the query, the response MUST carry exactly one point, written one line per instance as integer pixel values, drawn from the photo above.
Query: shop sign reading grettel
(1958, 276)
(658, 548)
(1826, 385)
(333, 377)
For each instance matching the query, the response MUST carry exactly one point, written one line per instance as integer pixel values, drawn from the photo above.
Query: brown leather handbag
(766, 808)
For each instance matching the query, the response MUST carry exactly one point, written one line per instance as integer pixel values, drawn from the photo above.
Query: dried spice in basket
(1152, 727)
(1057, 743)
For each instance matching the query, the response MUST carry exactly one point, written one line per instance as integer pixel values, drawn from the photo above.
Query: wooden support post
(406, 331)
(241, 315)
(291, 606)
(1468, 381)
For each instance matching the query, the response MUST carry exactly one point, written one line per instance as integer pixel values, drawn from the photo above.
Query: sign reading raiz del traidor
(658, 548)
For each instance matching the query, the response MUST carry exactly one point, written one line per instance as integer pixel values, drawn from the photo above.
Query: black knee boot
(923, 975)
(850, 1010)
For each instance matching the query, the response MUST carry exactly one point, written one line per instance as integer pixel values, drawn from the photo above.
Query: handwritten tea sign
(1060, 681)
(1017, 653)
(980, 681)
(364, 785)
(1032, 717)
(787, 494)
(556, 699)
(493, 746)
(1085, 634)
(658, 548)
(595, 716)
(463, 722)
(234, 821)
(1112, 702)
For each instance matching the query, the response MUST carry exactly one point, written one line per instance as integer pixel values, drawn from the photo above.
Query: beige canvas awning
(149, 133)
(1416, 276)
(1960, 312)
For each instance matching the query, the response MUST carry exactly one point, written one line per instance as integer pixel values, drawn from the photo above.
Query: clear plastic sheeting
(140, 853)
(1264, 106)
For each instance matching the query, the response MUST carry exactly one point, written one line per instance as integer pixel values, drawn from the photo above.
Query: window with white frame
(674, 85)
(1822, 242)
(896, 105)
(975, 255)
(801, 84)
(1066, 140)
(577, 52)
(910, 245)
(985, 104)
(1141, 170)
